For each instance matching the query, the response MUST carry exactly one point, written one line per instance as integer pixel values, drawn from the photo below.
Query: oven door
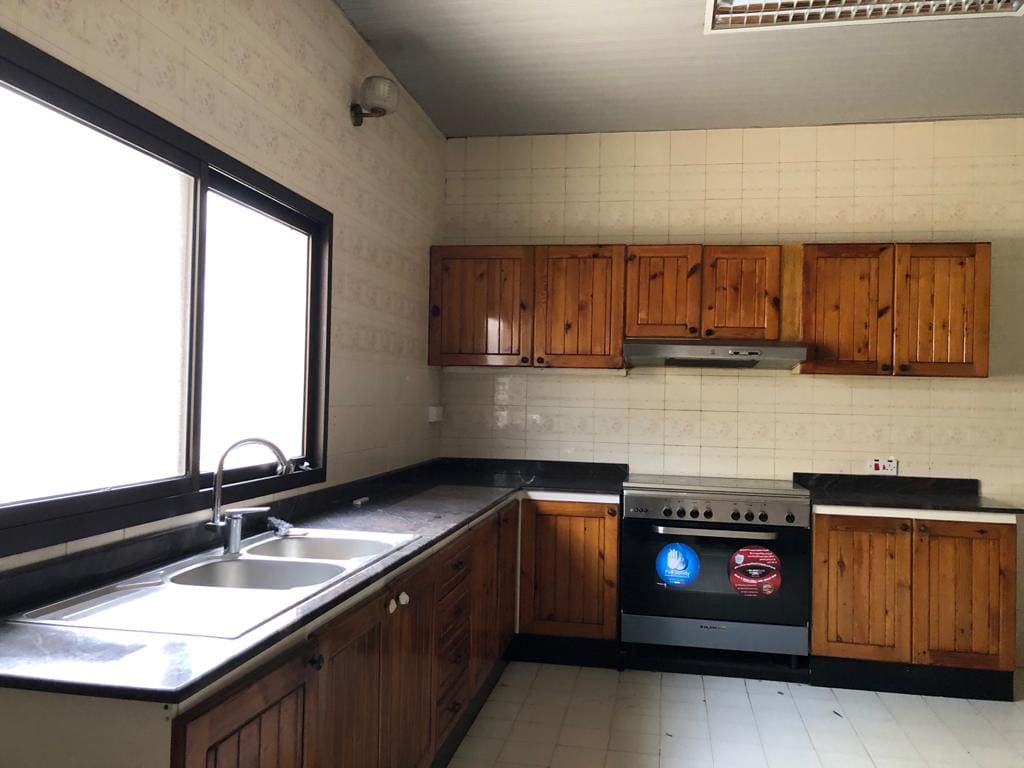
(706, 572)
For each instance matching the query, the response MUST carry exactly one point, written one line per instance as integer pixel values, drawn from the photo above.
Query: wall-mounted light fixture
(378, 96)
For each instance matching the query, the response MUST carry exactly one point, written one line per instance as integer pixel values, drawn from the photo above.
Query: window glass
(94, 307)
(254, 333)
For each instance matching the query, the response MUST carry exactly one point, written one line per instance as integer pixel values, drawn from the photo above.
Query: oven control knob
(667, 512)
(735, 514)
(749, 516)
(694, 513)
(763, 517)
(790, 517)
(680, 512)
(708, 514)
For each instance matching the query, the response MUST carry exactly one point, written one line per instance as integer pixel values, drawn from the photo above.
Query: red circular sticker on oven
(755, 572)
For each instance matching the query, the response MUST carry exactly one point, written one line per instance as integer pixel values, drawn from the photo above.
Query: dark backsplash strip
(39, 583)
(843, 484)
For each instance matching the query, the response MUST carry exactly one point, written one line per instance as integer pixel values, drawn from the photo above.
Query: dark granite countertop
(951, 494)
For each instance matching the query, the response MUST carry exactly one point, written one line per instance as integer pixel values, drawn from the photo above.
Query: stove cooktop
(744, 485)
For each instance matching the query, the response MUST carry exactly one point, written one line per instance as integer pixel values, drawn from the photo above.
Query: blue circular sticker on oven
(677, 564)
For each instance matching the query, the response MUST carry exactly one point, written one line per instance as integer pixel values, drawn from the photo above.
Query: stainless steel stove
(716, 563)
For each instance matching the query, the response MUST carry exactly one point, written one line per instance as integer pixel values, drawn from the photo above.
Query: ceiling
(507, 67)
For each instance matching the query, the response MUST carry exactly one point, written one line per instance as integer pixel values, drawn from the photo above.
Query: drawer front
(449, 708)
(450, 613)
(454, 567)
(453, 659)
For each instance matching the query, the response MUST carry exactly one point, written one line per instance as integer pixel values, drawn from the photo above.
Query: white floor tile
(526, 753)
(577, 757)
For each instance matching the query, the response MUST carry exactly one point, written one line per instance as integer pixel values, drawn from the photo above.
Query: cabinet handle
(693, 329)
(316, 662)
(458, 565)
(435, 311)
(709, 332)
(404, 599)
(923, 528)
(524, 359)
(457, 612)
(392, 606)
(904, 526)
(886, 367)
(540, 361)
(904, 367)
(612, 512)
(456, 659)
(455, 706)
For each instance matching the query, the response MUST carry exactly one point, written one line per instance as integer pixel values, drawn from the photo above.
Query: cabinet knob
(540, 361)
(886, 367)
(524, 360)
(316, 662)
(435, 311)
(456, 659)
(612, 512)
(455, 706)
(392, 606)
(904, 367)
(404, 599)
(692, 329)
(923, 528)
(458, 565)
(709, 332)
(904, 527)
(457, 612)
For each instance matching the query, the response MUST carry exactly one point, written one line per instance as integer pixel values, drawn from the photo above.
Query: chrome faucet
(232, 518)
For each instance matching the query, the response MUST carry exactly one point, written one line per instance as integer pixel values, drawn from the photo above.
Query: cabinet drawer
(453, 659)
(450, 613)
(449, 708)
(454, 567)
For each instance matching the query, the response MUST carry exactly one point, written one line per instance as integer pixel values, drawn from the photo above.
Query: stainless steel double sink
(211, 595)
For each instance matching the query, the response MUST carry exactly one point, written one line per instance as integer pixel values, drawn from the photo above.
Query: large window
(159, 301)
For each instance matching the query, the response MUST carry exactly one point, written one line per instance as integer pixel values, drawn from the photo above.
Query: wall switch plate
(435, 414)
(888, 466)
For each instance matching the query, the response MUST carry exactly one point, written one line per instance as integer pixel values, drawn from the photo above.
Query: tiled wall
(270, 83)
(956, 180)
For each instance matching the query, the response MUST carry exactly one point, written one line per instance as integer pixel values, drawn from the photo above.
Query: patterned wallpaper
(955, 180)
(270, 83)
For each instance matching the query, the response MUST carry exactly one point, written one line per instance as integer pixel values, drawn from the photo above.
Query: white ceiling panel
(490, 67)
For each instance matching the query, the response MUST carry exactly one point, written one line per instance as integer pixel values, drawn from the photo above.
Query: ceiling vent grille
(747, 14)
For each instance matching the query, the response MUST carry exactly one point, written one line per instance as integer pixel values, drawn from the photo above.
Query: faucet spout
(217, 518)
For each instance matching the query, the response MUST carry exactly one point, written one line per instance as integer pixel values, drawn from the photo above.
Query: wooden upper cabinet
(860, 591)
(848, 308)
(579, 313)
(942, 309)
(663, 291)
(741, 291)
(267, 724)
(481, 305)
(965, 586)
(569, 569)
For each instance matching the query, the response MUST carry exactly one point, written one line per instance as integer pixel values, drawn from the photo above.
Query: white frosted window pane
(94, 276)
(254, 334)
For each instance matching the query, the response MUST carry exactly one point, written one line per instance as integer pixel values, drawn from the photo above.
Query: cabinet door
(965, 585)
(484, 601)
(860, 593)
(848, 313)
(569, 569)
(508, 574)
(580, 299)
(268, 724)
(741, 291)
(663, 291)
(481, 305)
(350, 689)
(406, 659)
(942, 309)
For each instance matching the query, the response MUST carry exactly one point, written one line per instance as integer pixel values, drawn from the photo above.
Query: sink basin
(257, 574)
(321, 548)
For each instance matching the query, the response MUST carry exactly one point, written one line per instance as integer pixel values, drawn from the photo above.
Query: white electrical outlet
(880, 466)
(435, 414)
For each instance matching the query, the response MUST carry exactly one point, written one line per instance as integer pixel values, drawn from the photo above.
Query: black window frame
(31, 524)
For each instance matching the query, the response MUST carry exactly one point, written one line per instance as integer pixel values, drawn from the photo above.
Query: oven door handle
(716, 533)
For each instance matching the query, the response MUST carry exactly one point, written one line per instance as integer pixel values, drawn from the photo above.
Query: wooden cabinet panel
(860, 594)
(484, 596)
(848, 308)
(964, 594)
(481, 305)
(663, 291)
(579, 314)
(741, 288)
(942, 309)
(350, 690)
(407, 651)
(569, 569)
(268, 724)
(508, 574)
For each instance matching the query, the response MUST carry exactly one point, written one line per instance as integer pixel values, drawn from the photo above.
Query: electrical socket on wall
(435, 414)
(880, 466)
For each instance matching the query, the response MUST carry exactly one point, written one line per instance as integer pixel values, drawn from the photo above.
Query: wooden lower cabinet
(860, 593)
(914, 591)
(569, 569)
(266, 724)
(484, 601)
(965, 585)
(508, 575)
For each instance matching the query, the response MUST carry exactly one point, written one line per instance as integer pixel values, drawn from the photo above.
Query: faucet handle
(238, 514)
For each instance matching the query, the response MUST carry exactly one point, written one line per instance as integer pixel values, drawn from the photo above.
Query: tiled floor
(567, 717)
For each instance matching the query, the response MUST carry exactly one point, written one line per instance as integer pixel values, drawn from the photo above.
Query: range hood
(777, 355)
